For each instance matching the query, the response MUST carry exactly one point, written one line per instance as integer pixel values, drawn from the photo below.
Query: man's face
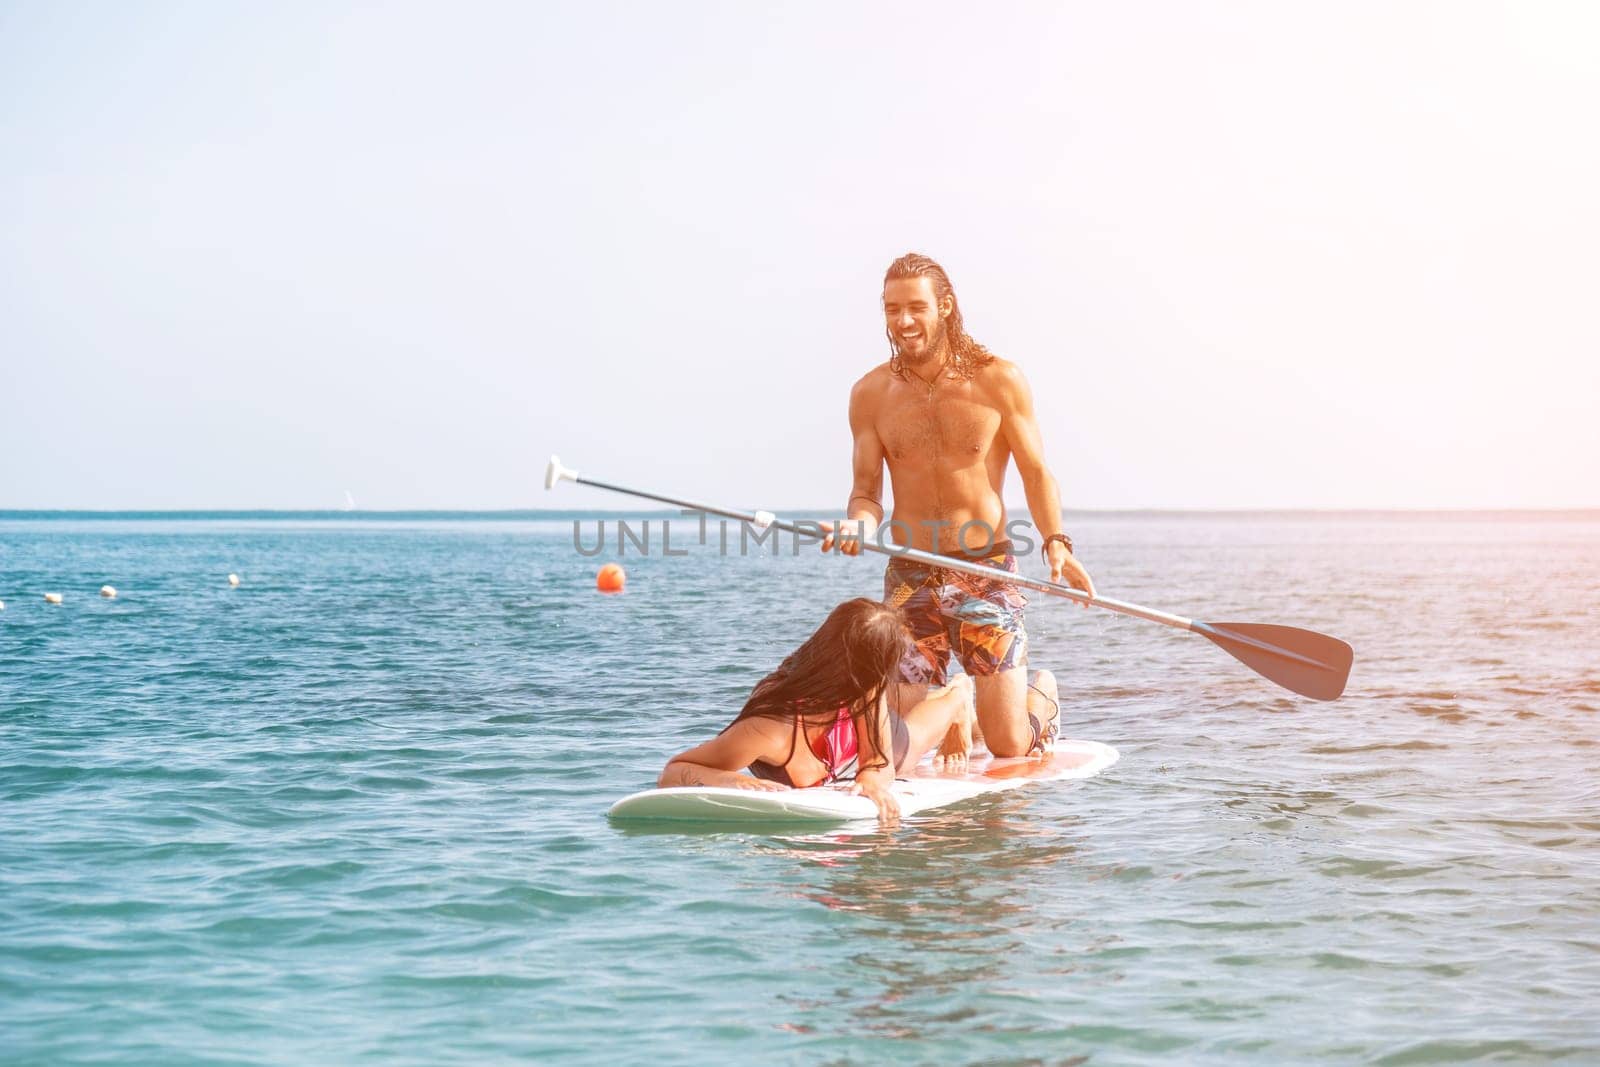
(914, 318)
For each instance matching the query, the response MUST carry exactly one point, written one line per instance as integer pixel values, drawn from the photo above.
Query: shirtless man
(948, 416)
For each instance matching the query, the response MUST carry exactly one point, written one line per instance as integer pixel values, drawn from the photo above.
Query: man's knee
(1003, 712)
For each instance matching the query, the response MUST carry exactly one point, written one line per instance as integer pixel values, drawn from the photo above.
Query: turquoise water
(353, 810)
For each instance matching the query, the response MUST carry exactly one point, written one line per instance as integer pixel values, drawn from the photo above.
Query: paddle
(1302, 661)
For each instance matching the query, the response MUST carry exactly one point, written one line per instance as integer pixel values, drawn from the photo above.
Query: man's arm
(1021, 429)
(865, 505)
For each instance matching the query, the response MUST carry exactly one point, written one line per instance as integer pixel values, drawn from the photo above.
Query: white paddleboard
(923, 790)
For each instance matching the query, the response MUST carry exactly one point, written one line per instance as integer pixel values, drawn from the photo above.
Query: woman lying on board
(823, 716)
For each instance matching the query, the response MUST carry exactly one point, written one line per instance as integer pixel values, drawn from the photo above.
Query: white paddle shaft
(555, 472)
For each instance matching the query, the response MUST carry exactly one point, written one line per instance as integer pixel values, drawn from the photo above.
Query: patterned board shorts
(948, 612)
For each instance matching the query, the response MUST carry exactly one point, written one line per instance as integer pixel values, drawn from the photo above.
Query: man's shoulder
(1001, 376)
(874, 381)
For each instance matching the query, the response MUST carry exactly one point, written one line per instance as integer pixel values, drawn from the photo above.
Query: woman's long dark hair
(848, 662)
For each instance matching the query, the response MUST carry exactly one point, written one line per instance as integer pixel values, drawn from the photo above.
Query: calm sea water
(353, 810)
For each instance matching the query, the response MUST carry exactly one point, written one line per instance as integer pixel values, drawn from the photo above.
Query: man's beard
(936, 345)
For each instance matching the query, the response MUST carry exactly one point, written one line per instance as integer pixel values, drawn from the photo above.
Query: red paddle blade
(1302, 661)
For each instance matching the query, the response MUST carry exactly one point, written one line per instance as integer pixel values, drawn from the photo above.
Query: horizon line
(559, 513)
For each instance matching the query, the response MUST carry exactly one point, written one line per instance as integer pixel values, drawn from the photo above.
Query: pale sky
(1248, 254)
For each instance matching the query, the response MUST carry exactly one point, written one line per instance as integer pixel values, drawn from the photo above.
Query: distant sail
(349, 501)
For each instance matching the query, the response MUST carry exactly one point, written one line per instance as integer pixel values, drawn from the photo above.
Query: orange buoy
(611, 579)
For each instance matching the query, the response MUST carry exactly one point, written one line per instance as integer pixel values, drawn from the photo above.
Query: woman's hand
(875, 787)
(956, 747)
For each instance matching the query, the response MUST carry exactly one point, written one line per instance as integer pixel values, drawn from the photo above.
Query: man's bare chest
(924, 428)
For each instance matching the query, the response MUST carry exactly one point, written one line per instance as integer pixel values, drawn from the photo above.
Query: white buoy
(2, 605)
(108, 591)
(233, 579)
(52, 598)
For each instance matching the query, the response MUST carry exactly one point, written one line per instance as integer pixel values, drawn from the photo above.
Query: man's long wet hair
(966, 355)
(849, 662)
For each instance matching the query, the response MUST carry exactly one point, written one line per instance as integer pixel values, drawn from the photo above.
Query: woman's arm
(877, 768)
(720, 760)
